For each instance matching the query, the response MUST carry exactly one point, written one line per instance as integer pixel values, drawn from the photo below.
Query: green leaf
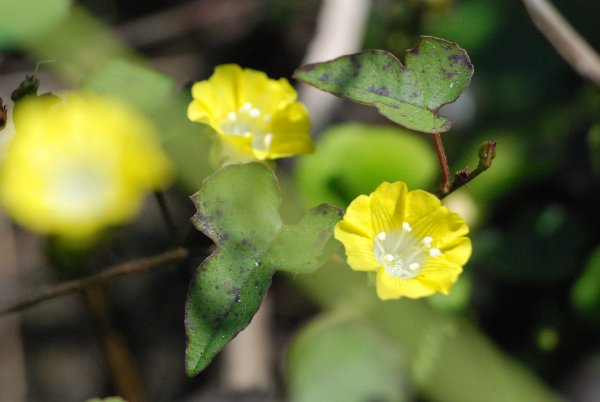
(152, 92)
(585, 294)
(137, 84)
(354, 159)
(450, 359)
(436, 73)
(238, 208)
(294, 249)
(23, 20)
(109, 399)
(340, 358)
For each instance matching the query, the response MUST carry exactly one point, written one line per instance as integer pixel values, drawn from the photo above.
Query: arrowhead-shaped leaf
(436, 73)
(238, 208)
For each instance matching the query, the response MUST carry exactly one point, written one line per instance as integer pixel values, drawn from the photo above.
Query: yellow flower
(415, 245)
(77, 165)
(256, 117)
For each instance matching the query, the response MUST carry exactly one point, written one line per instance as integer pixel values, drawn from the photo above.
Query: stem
(117, 354)
(445, 179)
(166, 213)
(487, 153)
(127, 268)
(565, 39)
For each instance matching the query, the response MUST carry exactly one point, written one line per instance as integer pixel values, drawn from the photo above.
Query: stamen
(381, 236)
(414, 266)
(267, 140)
(231, 116)
(267, 118)
(427, 241)
(246, 106)
(389, 257)
(254, 112)
(435, 252)
(406, 227)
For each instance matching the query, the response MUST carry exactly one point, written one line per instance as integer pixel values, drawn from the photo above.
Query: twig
(567, 42)
(487, 153)
(13, 383)
(439, 149)
(117, 354)
(167, 216)
(126, 268)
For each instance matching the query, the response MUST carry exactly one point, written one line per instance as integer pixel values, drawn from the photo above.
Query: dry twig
(567, 42)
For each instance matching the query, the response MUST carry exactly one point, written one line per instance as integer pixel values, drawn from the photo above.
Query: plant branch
(567, 42)
(439, 149)
(116, 352)
(127, 268)
(167, 216)
(487, 153)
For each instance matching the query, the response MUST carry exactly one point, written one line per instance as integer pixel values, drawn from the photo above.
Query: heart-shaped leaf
(436, 73)
(238, 208)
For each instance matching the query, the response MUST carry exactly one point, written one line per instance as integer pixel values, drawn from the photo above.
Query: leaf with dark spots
(436, 73)
(238, 208)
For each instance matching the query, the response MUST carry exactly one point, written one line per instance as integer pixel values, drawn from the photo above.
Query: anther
(381, 236)
(254, 112)
(435, 252)
(406, 227)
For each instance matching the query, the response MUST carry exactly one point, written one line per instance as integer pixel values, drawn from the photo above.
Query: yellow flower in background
(77, 165)
(256, 117)
(415, 245)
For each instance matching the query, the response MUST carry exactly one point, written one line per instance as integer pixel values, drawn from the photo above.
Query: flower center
(249, 121)
(78, 191)
(401, 254)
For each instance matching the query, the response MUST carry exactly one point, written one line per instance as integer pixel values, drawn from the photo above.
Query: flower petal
(359, 249)
(357, 218)
(265, 94)
(439, 274)
(217, 96)
(458, 251)
(388, 206)
(391, 287)
(440, 224)
(289, 134)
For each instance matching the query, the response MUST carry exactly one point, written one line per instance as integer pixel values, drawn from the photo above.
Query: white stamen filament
(402, 254)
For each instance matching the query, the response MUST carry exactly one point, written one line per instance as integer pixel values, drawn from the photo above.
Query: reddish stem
(439, 149)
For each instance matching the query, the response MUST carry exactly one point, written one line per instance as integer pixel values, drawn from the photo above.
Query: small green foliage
(238, 208)
(137, 84)
(24, 20)
(436, 73)
(353, 159)
(339, 358)
(585, 294)
(29, 86)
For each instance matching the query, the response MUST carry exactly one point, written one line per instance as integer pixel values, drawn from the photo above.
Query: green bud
(29, 86)
(487, 153)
